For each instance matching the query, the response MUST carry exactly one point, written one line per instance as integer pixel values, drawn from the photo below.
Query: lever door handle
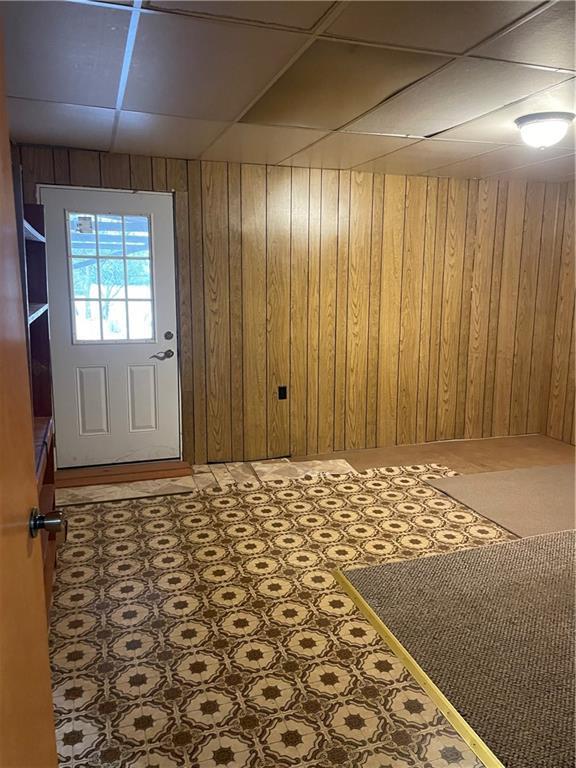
(163, 355)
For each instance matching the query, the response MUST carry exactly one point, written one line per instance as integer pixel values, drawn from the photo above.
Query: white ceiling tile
(333, 82)
(547, 39)
(440, 26)
(503, 159)
(499, 126)
(59, 51)
(69, 125)
(558, 169)
(345, 150)
(424, 155)
(202, 69)
(243, 143)
(300, 15)
(461, 91)
(145, 134)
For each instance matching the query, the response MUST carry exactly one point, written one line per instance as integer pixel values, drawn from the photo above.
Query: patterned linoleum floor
(207, 630)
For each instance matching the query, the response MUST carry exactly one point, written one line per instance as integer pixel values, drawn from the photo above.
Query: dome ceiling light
(543, 129)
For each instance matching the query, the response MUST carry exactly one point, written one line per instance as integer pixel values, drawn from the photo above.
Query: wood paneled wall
(395, 309)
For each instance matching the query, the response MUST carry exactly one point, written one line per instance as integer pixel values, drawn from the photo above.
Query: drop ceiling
(428, 88)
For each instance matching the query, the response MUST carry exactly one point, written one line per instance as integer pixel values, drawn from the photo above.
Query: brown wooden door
(27, 738)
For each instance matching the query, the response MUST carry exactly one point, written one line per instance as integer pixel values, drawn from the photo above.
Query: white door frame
(159, 341)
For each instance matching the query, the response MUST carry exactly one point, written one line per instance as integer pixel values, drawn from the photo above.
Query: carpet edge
(460, 725)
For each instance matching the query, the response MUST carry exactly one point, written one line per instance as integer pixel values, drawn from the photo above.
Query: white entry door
(112, 305)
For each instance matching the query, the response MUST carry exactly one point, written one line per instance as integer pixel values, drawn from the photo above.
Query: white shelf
(35, 311)
(32, 234)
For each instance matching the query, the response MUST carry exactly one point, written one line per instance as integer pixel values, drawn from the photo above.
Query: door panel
(142, 396)
(27, 737)
(92, 399)
(114, 337)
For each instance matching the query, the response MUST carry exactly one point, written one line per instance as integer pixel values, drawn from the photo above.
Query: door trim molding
(44, 184)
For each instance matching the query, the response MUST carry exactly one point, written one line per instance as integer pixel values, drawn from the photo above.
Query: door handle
(54, 522)
(163, 355)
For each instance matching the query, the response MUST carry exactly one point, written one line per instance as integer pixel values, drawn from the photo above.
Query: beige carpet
(493, 628)
(527, 502)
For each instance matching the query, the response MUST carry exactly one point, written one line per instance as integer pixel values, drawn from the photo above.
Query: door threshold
(121, 473)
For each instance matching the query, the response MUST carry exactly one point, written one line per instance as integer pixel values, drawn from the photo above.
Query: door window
(110, 267)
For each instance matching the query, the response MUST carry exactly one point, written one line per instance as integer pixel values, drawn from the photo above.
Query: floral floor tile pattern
(206, 629)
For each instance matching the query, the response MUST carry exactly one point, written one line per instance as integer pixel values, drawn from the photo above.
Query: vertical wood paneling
(529, 265)
(494, 310)
(235, 254)
(480, 307)
(390, 292)
(341, 311)
(563, 325)
(411, 308)
(159, 183)
(254, 310)
(327, 309)
(140, 172)
(61, 166)
(313, 310)
(508, 302)
(467, 269)
(115, 171)
(84, 168)
(178, 179)
(299, 309)
(568, 430)
(374, 311)
(545, 312)
(451, 308)
(426, 313)
(217, 309)
(436, 313)
(358, 300)
(396, 309)
(197, 292)
(37, 168)
(278, 208)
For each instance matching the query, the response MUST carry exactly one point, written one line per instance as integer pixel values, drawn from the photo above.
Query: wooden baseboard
(121, 473)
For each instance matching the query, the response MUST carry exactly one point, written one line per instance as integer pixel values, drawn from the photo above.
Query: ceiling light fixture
(543, 129)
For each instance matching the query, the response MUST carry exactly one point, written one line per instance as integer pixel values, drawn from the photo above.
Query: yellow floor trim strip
(467, 733)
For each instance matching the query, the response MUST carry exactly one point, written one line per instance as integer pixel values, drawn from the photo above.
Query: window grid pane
(140, 319)
(87, 320)
(110, 277)
(113, 316)
(85, 278)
